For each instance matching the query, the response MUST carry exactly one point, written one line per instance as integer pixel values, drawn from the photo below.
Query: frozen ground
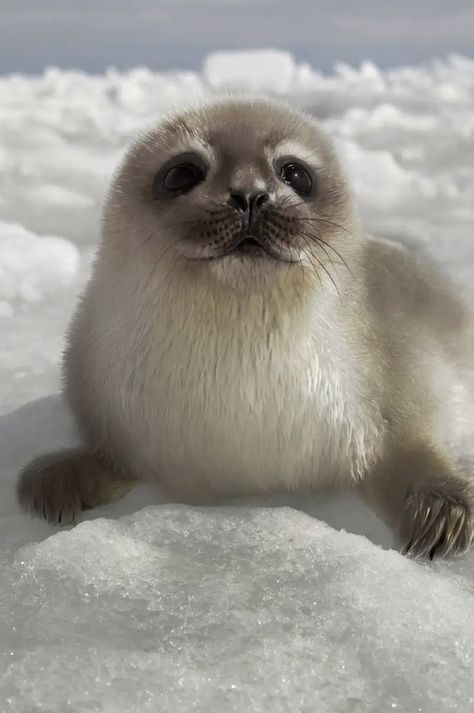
(255, 607)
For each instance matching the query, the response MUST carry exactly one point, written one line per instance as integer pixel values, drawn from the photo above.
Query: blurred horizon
(179, 34)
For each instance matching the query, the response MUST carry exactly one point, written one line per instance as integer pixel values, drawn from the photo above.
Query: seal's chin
(247, 264)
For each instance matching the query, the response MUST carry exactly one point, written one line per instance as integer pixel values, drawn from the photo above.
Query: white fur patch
(230, 394)
(298, 150)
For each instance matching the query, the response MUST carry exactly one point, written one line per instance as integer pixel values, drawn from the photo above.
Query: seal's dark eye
(297, 176)
(181, 178)
(179, 175)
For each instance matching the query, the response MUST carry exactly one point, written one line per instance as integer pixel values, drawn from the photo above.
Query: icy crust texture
(182, 609)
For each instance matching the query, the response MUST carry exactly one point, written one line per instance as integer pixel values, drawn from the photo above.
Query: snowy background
(258, 606)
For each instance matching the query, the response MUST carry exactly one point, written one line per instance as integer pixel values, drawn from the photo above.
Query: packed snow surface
(264, 605)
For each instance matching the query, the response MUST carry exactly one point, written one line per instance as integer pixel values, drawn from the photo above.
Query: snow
(180, 609)
(33, 267)
(258, 71)
(264, 604)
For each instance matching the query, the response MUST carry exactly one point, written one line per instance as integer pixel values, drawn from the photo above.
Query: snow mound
(33, 267)
(178, 608)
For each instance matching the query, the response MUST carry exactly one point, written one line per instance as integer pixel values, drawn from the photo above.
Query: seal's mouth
(252, 246)
(249, 246)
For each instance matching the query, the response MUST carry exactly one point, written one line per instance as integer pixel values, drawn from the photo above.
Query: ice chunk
(257, 70)
(32, 267)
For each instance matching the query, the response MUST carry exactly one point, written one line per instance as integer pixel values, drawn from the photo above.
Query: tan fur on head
(244, 336)
(241, 143)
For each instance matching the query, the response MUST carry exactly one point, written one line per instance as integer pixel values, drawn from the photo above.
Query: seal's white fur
(227, 395)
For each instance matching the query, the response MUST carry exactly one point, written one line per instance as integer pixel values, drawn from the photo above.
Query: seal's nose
(249, 204)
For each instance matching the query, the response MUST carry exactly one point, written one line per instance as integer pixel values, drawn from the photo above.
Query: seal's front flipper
(58, 486)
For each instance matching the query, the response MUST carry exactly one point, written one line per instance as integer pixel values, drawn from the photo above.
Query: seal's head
(240, 190)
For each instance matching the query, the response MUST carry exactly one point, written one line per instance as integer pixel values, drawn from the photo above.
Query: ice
(33, 267)
(264, 604)
(260, 70)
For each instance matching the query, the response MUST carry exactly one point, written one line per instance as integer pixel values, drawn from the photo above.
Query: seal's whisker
(285, 203)
(309, 255)
(321, 264)
(313, 264)
(317, 239)
(318, 244)
(318, 219)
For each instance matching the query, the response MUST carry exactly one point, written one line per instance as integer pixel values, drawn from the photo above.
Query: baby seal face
(237, 188)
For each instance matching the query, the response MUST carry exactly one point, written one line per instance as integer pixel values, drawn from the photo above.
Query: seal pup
(240, 334)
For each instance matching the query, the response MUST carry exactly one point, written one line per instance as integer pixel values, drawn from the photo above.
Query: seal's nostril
(240, 201)
(248, 202)
(259, 199)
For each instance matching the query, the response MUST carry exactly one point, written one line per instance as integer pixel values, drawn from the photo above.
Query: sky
(166, 34)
